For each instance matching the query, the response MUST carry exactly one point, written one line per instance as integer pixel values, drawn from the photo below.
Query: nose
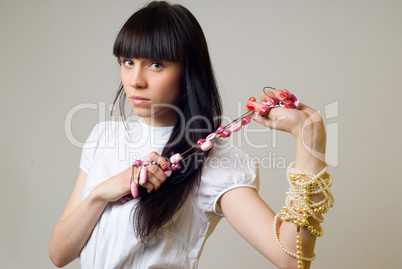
(138, 80)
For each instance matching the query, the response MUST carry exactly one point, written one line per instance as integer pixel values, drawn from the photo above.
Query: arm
(250, 216)
(79, 218)
(75, 226)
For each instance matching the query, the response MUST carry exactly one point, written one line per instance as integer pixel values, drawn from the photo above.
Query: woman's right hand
(118, 185)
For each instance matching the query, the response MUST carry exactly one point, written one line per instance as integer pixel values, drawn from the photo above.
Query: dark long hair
(170, 32)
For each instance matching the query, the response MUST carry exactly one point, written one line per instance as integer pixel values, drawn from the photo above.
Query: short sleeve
(90, 147)
(226, 169)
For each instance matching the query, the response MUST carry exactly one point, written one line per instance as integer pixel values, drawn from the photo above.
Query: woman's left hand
(299, 121)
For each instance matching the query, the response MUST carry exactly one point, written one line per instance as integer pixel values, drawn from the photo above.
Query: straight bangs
(151, 34)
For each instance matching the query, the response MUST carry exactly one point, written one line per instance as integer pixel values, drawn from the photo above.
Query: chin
(143, 113)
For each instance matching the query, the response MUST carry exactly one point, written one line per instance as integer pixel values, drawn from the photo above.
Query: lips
(138, 100)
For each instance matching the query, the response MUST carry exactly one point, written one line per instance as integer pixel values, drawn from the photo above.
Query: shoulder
(102, 127)
(228, 159)
(108, 131)
(227, 167)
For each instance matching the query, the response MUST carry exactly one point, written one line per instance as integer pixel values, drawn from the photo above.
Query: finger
(148, 186)
(154, 172)
(251, 100)
(155, 157)
(289, 104)
(261, 110)
(258, 108)
(250, 104)
(155, 178)
(267, 122)
(144, 180)
(153, 184)
(269, 97)
(282, 94)
(288, 94)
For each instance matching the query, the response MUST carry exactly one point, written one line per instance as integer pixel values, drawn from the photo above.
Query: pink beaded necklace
(204, 144)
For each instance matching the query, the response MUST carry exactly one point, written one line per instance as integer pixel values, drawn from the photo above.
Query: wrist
(96, 196)
(310, 129)
(312, 137)
(311, 142)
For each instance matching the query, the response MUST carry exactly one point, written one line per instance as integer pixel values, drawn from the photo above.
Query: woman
(168, 80)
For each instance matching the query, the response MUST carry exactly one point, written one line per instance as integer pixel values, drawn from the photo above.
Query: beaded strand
(284, 249)
(204, 144)
(299, 207)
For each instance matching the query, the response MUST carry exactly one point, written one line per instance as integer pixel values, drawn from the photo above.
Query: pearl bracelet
(299, 207)
(297, 255)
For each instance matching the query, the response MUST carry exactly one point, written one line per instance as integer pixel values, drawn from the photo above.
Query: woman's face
(152, 87)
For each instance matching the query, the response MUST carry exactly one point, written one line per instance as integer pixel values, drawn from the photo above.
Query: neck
(168, 120)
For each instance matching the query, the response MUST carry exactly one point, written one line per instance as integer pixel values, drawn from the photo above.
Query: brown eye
(156, 65)
(128, 63)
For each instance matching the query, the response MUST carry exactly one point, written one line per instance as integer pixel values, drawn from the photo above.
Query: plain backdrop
(343, 58)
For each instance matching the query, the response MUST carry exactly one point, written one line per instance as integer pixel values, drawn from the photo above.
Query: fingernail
(264, 111)
(250, 98)
(282, 96)
(250, 106)
(288, 104)
(273, 101)
(288, 95)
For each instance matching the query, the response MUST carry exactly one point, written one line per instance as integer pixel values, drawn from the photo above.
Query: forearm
(310, 158)
(72, 232)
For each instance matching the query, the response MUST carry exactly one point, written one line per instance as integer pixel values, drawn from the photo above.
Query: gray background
(340, 57)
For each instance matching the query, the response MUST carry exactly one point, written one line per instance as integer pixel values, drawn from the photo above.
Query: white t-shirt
(111, 148)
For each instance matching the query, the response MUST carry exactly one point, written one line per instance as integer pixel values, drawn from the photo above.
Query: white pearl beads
(299, 208)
